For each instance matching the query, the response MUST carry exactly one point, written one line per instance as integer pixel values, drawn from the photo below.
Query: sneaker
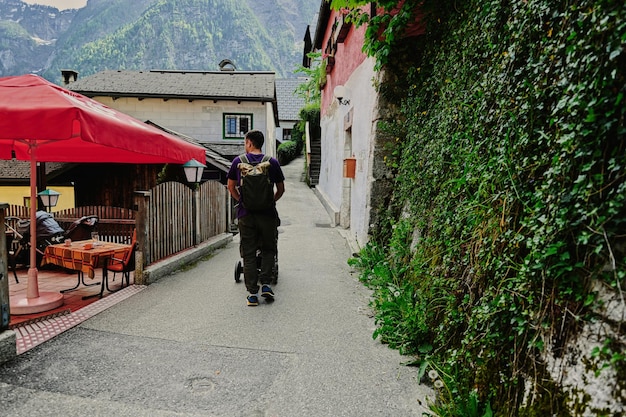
(253, 300)
(267, 293)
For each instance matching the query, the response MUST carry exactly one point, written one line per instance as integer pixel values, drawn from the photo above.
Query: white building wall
(335, 190)
(199, 119)
(363, 141)
(269, 131)
(331, 170)
(280, 131)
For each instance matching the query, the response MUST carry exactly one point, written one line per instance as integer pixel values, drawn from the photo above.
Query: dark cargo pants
(258, 231)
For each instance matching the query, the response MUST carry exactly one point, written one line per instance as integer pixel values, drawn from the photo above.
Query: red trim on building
(342, 48)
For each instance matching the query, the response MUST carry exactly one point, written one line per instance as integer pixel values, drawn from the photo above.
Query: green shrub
(288, 151)
(309, 113)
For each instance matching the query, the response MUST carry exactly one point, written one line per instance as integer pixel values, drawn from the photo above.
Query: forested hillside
(153, 34)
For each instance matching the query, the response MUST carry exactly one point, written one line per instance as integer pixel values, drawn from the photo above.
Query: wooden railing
(17, 211)
(115, 224)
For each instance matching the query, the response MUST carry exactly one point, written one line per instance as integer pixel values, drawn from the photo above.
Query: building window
(287, 134)
(236, 125)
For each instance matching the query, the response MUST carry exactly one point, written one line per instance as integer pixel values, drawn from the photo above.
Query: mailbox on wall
(349, 167)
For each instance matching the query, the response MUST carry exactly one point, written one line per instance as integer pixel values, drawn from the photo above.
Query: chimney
(69, 76)
(227, 65)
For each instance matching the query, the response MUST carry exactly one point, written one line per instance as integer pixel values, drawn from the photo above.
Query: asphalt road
(188, 345)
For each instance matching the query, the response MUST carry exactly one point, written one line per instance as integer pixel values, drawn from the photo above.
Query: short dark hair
(256, 137)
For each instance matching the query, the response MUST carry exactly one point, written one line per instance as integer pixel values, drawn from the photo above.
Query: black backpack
(256, 189)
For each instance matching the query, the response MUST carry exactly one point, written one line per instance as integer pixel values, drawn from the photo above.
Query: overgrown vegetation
(289, 150)
(310, 113)
(315, 75)
(509, 201)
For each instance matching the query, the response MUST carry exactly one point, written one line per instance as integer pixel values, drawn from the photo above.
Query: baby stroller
(13, 238)
(259, 259)
(81, 229)
(48, 233)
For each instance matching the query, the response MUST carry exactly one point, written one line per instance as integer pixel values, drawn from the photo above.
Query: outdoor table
(83, 257)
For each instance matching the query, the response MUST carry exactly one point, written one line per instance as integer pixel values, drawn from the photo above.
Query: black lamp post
(193, 171)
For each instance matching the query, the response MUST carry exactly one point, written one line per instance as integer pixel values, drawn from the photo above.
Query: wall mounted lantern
(342, 93)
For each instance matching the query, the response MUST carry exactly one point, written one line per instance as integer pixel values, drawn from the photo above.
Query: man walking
(257, 221)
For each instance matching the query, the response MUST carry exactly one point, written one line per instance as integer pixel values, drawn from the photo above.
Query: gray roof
(19, 171)
(213, 157)
(208, 85)
(289, 103)
(228, 150)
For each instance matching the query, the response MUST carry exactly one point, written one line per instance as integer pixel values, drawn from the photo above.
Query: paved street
(188, 345)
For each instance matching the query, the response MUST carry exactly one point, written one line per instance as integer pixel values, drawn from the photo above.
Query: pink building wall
(349, 54)
(348, 57)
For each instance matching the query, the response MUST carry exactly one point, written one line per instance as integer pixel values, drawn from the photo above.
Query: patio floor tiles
(54, 280)
(35, 333)
(33, 329)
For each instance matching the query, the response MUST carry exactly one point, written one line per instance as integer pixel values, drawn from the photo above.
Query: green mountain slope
(156, 34)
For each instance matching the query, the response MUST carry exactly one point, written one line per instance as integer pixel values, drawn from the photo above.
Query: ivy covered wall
(500, 259)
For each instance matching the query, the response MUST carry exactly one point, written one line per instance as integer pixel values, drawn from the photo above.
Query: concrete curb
(7, 346)
(333, 212)
(181, 260)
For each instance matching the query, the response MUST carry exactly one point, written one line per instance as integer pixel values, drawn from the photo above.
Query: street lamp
(193, 171)
(49, 198)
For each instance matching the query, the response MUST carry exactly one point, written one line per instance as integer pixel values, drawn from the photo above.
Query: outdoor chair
(13, 246)
(123, 266)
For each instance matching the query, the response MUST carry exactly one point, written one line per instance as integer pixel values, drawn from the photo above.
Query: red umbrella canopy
(63, 126)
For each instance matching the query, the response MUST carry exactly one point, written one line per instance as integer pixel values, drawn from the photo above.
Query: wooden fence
(172, 225)
(169, 223)
(214, 213)
(169, 218)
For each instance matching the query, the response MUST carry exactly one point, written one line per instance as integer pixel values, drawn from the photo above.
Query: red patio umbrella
(42, 122)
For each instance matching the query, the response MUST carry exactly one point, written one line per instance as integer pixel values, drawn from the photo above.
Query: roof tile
(257, 86)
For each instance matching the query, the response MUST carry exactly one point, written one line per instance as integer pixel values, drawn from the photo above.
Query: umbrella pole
(34, 302)
(32, 287)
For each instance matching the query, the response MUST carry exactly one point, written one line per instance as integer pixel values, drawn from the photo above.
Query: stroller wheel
(238, 271)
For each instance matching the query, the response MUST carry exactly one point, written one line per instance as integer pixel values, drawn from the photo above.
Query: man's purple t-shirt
(276, 176)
